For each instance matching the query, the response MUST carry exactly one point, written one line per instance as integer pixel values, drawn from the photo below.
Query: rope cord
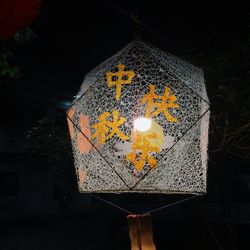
(111, 204)
(169, 205)
(146, 212)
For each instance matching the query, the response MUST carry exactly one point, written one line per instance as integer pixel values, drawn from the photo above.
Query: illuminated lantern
(140, 124)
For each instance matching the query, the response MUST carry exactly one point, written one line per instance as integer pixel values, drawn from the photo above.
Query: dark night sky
(76, 36)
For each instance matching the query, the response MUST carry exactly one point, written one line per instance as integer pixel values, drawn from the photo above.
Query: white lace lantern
(140, 124)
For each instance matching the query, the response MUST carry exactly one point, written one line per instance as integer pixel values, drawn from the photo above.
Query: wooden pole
(140, 232)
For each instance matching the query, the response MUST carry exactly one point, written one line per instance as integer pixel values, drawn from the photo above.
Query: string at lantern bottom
(140, 227)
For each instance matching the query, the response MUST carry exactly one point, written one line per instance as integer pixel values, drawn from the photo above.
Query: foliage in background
(25, 36)
(7, 68)
(46, 141)
(226, 75)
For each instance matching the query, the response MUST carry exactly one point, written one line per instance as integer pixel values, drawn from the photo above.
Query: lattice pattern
(141, 81)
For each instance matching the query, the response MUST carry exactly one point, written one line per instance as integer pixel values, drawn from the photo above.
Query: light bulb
(142, 124)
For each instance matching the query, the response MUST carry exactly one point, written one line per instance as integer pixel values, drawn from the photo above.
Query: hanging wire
(133, 17)
(145, 212)
(136, 9)
(169, 205)
(112, 204)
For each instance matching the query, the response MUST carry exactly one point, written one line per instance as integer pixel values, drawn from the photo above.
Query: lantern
(140, 124)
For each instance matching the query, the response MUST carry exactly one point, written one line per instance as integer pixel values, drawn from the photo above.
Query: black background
(73, 38)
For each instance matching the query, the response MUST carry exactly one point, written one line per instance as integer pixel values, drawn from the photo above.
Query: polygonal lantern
(140, 124)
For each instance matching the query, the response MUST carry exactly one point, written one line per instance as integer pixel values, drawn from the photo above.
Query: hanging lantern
(140, 124)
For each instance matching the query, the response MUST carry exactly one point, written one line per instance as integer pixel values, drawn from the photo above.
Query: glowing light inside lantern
(142, 124)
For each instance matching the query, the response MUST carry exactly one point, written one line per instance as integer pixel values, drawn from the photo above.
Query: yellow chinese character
(105, 129)
(141, 150)
(160, 103)
(119, 78)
